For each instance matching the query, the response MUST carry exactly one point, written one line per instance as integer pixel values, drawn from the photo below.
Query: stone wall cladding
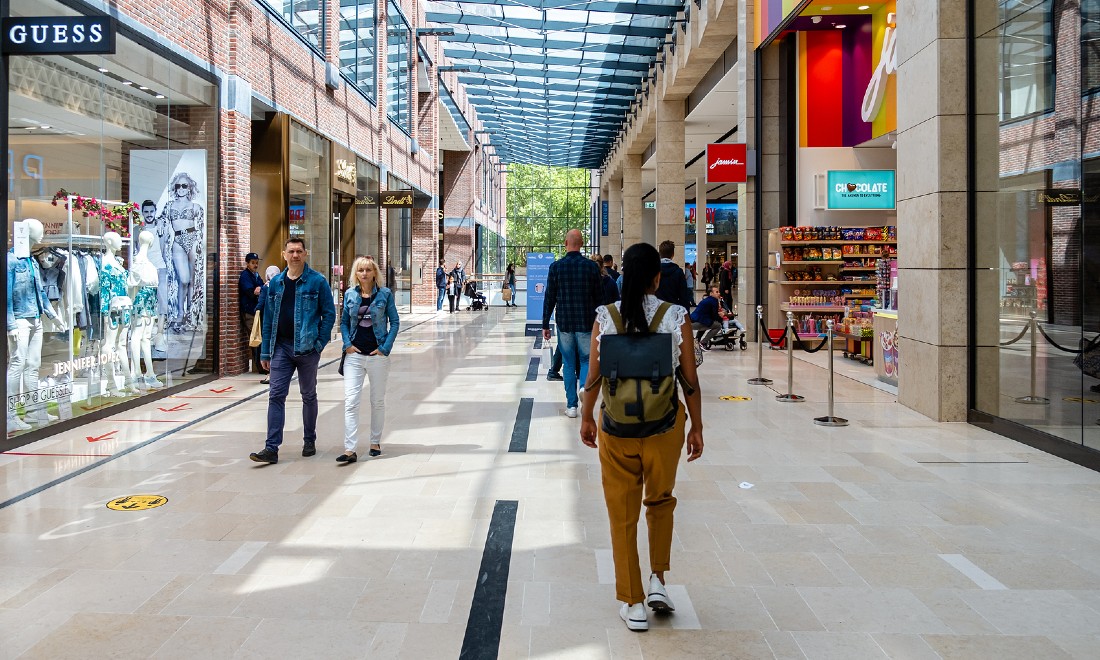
(242, 38)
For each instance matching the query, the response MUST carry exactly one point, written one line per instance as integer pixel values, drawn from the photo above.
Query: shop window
(310, 213)
(1090, 47)
(357, 45)
(398, 82)
(112, 175)
(1027, 58)
(306, 17)
(367, 229)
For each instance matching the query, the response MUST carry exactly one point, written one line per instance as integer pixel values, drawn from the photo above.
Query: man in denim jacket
(297, 323)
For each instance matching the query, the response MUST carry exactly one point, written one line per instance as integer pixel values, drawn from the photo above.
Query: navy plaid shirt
(573, 286)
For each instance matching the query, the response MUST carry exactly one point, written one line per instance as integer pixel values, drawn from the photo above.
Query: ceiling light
(127, 83)
(160, 96)
(44, 126)
(841, 27)
(826, 9)
(864, 7)
(142, 87)
(31, 128)
(102, 70)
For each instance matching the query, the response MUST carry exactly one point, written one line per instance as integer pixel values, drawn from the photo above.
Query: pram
(731, 338)
(477, 299)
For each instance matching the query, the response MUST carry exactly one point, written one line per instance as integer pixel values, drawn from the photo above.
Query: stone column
(670, 175)
(932, 222)
(613, 242)
(632, 199)
(700, 227)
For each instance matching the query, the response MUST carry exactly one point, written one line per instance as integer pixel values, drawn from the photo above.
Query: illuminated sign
(861, 189)
(727, 163)
(59, 35)
(345, 171)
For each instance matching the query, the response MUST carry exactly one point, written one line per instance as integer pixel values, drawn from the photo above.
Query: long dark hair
(641, 264)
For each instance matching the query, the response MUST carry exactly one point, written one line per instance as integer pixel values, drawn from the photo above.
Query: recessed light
(826, 9)
(127, 83)
(45, 126)
(160, 96)
(102, 70)
(143, 87)
(841, 27)
(864, 7)
(31, 128)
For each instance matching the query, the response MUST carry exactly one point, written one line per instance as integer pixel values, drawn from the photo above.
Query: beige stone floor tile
(295, 637)
(952, 647)
(848, 609)
(1082, 647)
(432, 640)
(207, 637)
(736, 608)
(909, 571)
(102, 591)
(909, 647)
(787, 609)
(783, 645)
(211, 596)
(838, 645)
(98, 635)
(392, 600)
(1033, 612)
(709, 645)
(305, 597)
(586, 642)
(21, 629)
(796, 569)
(1018, 571)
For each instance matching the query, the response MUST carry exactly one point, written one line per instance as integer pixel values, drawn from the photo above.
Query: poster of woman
(176, 210)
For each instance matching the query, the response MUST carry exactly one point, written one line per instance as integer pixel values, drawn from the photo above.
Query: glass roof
(552, 80)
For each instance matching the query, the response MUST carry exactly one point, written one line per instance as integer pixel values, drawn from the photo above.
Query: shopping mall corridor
(894, 537)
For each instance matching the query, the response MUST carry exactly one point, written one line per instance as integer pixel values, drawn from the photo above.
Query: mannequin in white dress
(143, 284)
(117, 308)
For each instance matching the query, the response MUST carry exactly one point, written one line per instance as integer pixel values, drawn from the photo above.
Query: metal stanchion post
(1032, 398)
(760, 380)
(830, 419)
(790, 396)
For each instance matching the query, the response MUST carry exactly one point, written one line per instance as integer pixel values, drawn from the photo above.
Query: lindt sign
(727, 163)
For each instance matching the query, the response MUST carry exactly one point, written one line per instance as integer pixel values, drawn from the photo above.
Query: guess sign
(727, 163)
(59, 35)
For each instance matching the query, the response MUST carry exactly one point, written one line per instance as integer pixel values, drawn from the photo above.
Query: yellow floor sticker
(1077, 399)
(136, 502)
(735, 398)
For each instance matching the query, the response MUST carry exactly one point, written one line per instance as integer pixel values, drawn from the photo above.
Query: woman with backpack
(639, 457)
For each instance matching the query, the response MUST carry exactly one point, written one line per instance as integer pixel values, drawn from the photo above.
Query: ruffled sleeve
(603, 318)
(673, 323)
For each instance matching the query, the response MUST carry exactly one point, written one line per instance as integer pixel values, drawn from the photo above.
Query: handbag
(257, 337)
(1088, 360)
(506, 294)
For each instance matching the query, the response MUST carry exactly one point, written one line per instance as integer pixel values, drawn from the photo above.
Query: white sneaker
(16, 424)
(571, 413)
(658, 597)
(634, 616)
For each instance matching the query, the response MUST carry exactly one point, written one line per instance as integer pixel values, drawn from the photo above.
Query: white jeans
(25, 355)
(377, 369)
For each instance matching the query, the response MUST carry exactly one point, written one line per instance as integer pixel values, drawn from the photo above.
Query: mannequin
(117, 308)
(143, 281)
(27, 304)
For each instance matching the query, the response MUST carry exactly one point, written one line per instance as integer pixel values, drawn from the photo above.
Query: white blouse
(672, 323)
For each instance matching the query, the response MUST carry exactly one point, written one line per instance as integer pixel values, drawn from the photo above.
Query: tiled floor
(894, 537)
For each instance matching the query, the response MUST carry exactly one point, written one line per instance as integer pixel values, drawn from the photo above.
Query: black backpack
(639, 383)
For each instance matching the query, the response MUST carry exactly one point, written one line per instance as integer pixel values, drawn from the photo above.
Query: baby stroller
(477, 299)
(731, 338)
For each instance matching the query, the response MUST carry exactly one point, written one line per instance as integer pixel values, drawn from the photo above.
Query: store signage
(366, 200)
(41, 395)
(651, 205)
(80, 364)
(401, 199)
(727, 163)
(604, 213)
(345, 171)
(887, 65)
(59, 35)
(861, 189)
(1060, 197)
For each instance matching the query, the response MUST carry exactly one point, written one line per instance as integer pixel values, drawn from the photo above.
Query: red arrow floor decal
(222, 391)
(175, 409)
(105, 436)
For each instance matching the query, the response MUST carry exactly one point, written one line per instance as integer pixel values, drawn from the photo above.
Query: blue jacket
(248, 283)
(440, 277)
(383, 316)
(24, 287)
(314, 313)
(706, 312)
(673, 287)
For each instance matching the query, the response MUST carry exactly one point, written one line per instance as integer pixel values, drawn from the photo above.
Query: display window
(310, 197)
(111, 223)
(399, 248)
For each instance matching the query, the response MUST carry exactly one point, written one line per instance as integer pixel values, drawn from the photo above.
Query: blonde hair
(353, 281)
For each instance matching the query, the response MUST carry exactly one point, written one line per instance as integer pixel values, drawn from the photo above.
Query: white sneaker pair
(635, 615)
(571, 413)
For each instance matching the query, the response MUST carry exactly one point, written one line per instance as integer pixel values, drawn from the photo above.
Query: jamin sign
(727, 163)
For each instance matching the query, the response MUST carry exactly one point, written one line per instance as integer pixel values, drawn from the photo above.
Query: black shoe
(265, 381)
(347, 458)
(309, 449)
(375, 452)
(553, 375)
(265, 456)
(264, 372)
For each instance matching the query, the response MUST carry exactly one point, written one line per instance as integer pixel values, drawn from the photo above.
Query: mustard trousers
(631, 468)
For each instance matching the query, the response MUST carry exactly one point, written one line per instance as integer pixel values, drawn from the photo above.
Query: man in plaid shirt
(573, 287)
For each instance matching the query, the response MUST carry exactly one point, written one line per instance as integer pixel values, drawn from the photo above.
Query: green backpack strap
(658, 317)
(617, 319)
(620, 327)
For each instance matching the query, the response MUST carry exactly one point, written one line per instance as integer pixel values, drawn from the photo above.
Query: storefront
(833, 255)
(1035, 195)
(111, 225)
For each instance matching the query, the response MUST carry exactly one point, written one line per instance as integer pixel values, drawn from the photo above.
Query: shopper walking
(510, 282)
(369, 326)
(440, 284)
(609, 292)
(573, 289)
(673, 287)
(638, 465)
(249, 287)
(725, 283)
(459, 274)
(452, 292)
(609, 264)
(296, 325)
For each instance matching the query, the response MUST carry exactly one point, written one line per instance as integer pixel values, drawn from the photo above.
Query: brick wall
(241, 38)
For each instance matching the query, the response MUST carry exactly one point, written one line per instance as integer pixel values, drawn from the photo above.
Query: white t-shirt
(672, 323)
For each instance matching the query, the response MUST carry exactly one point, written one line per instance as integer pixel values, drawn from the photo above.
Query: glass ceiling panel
(552, 80)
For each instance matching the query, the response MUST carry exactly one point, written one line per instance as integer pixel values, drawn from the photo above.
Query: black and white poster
(169, 186)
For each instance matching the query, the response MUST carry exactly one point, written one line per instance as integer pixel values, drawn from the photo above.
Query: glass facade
(398, 65)
(399, 248)
(1036, 230)
(368, 231)
(307, 17)
(357, 46)
(112, 221)
(310, 197)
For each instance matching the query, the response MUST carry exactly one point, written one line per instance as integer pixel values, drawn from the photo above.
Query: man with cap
(250, 285)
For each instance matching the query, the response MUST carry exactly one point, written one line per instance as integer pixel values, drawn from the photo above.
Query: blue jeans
(439, 300)
(283, 365)
(574, 352)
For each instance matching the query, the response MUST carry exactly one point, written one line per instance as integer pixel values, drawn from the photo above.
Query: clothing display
(112, 284)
